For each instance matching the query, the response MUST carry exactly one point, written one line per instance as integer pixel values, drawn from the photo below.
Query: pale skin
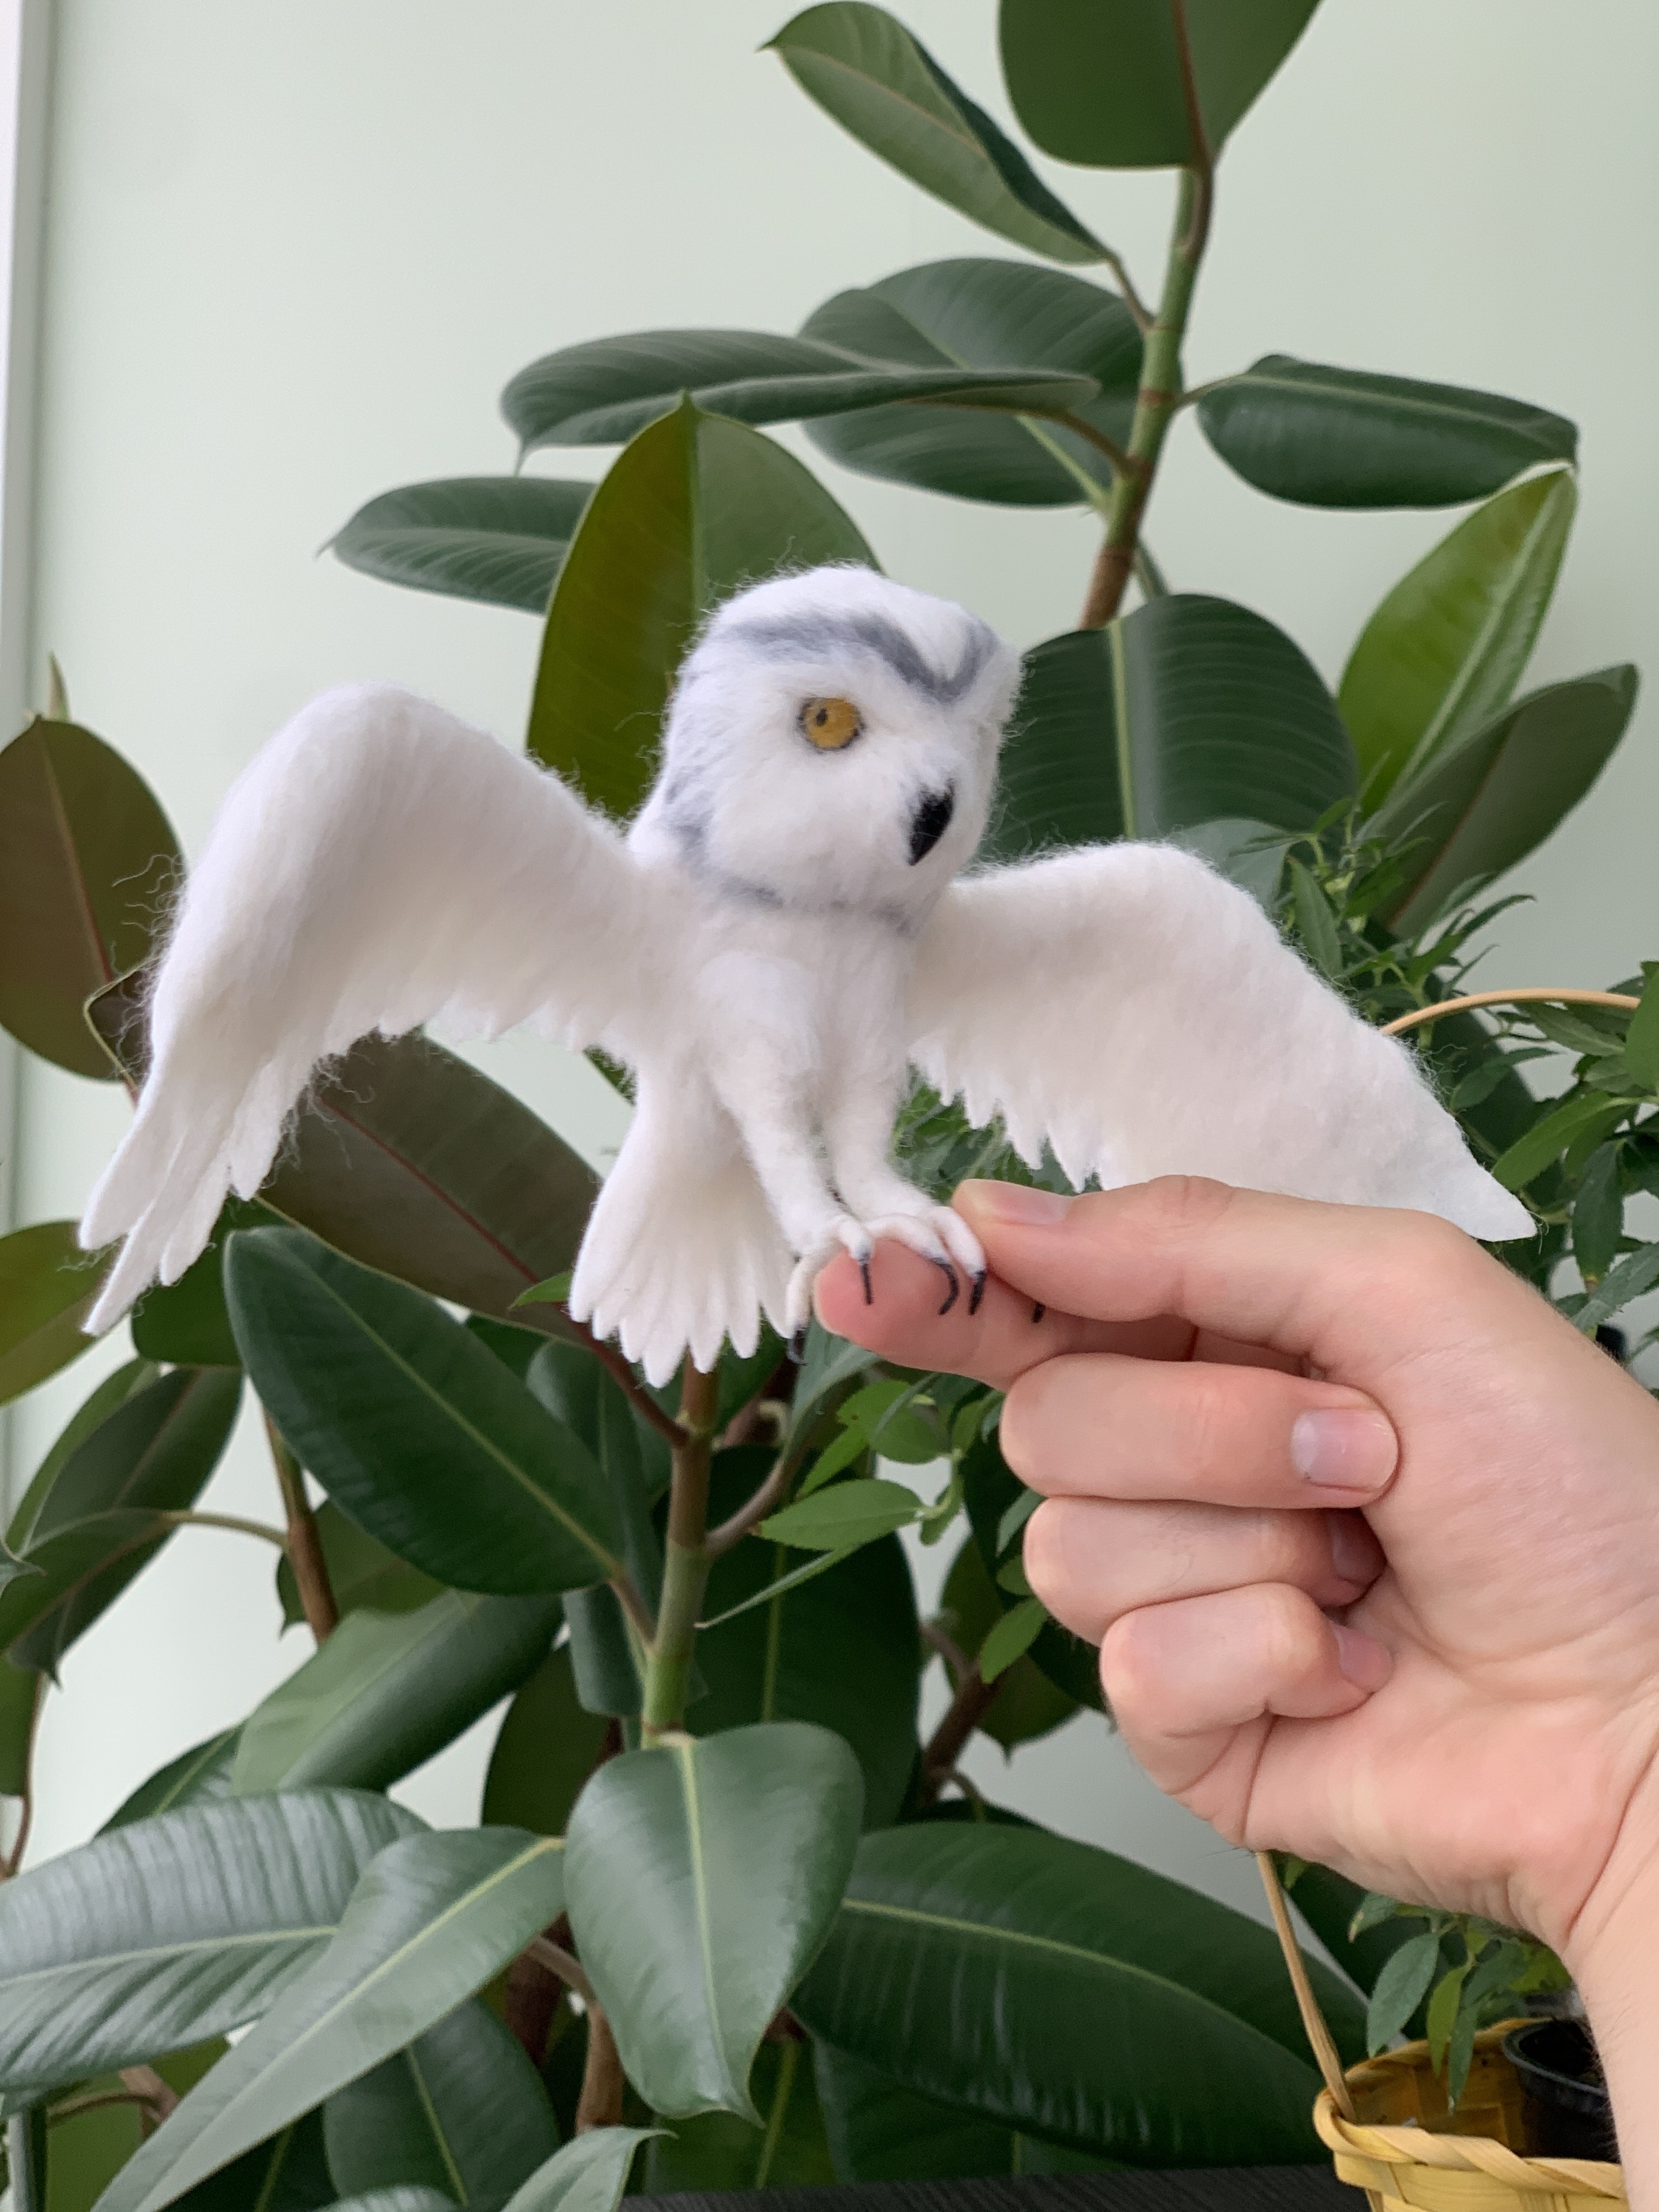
(1369, 1537)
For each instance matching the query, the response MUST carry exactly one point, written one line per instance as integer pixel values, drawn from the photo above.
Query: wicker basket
(1404, 2151)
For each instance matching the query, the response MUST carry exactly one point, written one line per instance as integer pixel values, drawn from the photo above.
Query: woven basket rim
(1416, 2147)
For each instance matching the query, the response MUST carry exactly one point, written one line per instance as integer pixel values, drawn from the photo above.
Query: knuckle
(1178, 1205)
(1048, 1552)
(1292, 1635)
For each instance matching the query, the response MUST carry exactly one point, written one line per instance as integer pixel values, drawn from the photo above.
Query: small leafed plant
(726, 1919)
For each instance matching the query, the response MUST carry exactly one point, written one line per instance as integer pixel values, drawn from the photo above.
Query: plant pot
(1568, 2108)
(1410, 2155)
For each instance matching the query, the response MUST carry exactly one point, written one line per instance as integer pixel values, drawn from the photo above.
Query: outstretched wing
(378, 865)
(1139, 1013)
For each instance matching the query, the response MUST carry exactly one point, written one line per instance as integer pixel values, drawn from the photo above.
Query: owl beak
(929, 821)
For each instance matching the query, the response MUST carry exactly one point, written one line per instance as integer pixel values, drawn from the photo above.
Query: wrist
(1613, 1955)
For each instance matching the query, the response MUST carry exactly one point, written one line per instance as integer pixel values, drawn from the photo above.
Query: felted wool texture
(768, 949)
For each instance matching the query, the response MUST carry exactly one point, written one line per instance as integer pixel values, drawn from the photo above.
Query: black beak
(930, 822)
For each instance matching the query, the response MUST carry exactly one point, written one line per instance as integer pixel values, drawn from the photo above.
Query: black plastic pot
(1567, 2104)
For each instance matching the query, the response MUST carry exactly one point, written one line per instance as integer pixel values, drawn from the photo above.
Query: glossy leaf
(695, 506)
(1066, 1992)
(289, 2173)
(1187, 709)
(20, 1691)
(719, 2151)
(94, 1530)
(132, 1376)
(882, 86)
(462, 2110)
(588, 2175)
(409, 2197)
(412, 1426)
(1480, 807)
(988, 314)
(187, 1323)
(431, 1920)
(47, 1285)
(703, 1878)
(1343, 437)
(89, 2149)
(1027, 1705)
(1103, 81)
(388, 1691)
(880, 2132)
(174, 1929)
(1542, 1144)
(87, 859)
(548, 1745)
(1444, 650)
(608, 390)
(842, 1650)
(362, 1573)
(200, 1775)
(502, 539)
(855, 1512)
(411, 1161)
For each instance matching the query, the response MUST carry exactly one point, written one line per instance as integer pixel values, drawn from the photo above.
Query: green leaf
(1444, 650)
(461, 2111)
(548, 1745)
(1329, 1903)
(855, 1512)
(1545, 1141)
(1630, 1279)
(413, 1426)
(362, 1573)
(719, 2151)
(502, 539)
(1481, 805)
(132, 1376)
(47, 1285)
(1442, 2011)
(827, 1365)
(432, 1919)
(200, 1775)
(986, 313)
(1011, 1637)
(174, 1929)
(1316, 924)
(1103, 82)
(408, 2199)
(694, 508)
(1066, 1992)
(86, 862)
(411, 1161)
(1188, 709)
(703, 1878)
(94, 1530)
(289, 2173)
(881, 84)
(1401, 1988)
(388, 1691)
(555, 1291)
(588, 2175)
(1641, 1038)
(990, 1491)
(1027, 1703)
(608, 390)
(1341, 437)
(20, 1691)
(1598, 1216)
(881, 2132)
(842, 1650)
(187, 1323)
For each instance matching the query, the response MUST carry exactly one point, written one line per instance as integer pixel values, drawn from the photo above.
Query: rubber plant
(726, 1919)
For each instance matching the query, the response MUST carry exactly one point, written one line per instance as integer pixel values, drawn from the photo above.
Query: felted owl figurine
(783, 931)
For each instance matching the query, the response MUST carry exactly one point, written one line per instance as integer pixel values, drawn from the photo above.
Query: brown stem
(305, 1545)
(749, 1515)
(565, 1964)
(963, 1716)
(940, 1640)
(158, 2098)
(531, 1997)
(632, 1388)
(600, 2104)
(14, 1858)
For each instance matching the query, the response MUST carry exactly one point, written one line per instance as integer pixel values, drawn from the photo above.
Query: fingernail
(1344, 1448)
(1361, 1658)
(1015, 1204)
(1353, 1549)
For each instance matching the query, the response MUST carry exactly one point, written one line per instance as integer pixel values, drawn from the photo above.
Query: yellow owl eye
(830, 723)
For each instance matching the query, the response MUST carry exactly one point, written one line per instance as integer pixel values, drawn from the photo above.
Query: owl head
(832, 742)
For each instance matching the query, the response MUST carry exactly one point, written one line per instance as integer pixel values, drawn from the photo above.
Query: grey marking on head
(820, 634)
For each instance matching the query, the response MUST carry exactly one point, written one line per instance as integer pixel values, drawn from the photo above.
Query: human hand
(1371, 1535)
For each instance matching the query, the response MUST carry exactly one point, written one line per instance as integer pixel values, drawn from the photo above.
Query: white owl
(785, 929)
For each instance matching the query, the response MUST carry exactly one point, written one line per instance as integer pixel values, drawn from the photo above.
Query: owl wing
(378, 865)
(1140, 1015)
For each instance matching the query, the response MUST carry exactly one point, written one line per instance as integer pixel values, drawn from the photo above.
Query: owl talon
(869, 1294)
(954, 1280)
(798, 1347)
(1037, 1312)
(976, 1295)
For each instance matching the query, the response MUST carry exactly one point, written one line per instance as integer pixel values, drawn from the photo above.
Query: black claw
(955, 1281)
(1037, 1312)
(798, 1346)
(977, 1293)
(869, 1295)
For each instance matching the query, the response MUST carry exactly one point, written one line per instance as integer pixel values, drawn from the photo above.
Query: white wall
(293, 253)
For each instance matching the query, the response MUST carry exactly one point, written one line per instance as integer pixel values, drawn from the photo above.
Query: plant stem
(967, 1709)
(262, 1529)
(1531, 992)
(600, 2104)
(685, 1558)
(632, 1388)
(749, 1515)
(788, 2060)
(14, 1858)
(304, 1543)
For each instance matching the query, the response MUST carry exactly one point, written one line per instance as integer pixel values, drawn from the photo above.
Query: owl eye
(829, 723)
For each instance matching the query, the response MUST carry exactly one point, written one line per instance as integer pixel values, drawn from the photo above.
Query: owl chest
(810, 984)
